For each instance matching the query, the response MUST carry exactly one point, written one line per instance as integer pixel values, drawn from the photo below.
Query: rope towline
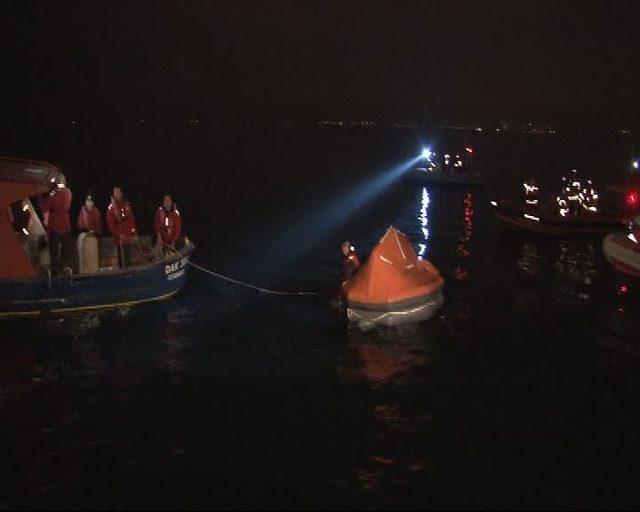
(248, 285)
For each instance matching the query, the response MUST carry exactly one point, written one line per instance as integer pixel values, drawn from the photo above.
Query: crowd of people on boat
(54, 207)
(577, 196)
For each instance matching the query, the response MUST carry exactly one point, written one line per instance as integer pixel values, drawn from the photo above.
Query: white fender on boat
(622, 253)
(88, 257)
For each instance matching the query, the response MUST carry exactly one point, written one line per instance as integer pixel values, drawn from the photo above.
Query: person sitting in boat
(589, 198)
(168, 226)
(571, 193)
(89, 218)
(350, 262)
(122, 225)
(531, 190)
(55, 206)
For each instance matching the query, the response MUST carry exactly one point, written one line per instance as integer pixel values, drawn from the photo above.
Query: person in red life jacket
(168, 225)
(122, 226)
(350, 261)
(89, 218)
(55, 207)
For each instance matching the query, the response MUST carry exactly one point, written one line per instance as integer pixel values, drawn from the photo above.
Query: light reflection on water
(176, 382)
(461, 273)
(423, 219)
(391, 364)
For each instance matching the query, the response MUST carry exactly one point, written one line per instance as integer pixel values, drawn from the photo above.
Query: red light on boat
(623, 289)
(632, 198)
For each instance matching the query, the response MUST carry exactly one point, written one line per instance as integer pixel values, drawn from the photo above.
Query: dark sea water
(523, 391)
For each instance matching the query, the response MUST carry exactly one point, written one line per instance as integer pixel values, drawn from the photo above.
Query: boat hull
(622, 253)
(418, 309)
(551, 225)
(154, 281)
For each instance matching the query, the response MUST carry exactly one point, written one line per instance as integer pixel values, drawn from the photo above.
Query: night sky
(408, 60)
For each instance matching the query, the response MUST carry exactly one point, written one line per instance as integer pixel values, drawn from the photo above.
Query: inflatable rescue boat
(548, 221)
(623, 252)
(393, 287)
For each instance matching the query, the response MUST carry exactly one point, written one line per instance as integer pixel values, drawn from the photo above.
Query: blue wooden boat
(28, 289)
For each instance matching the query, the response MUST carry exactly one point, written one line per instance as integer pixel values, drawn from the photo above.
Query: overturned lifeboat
(393, 287)
(27, 286)
(623, 252)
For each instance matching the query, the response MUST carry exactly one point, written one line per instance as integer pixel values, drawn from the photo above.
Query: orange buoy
(393, 287)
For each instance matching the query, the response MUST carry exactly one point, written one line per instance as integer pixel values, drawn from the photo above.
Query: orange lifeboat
(393, 287)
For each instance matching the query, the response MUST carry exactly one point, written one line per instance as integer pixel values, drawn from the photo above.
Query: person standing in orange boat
(350, 261)
(122, 225)
(168, 225)
(89, 218)
(55, 207)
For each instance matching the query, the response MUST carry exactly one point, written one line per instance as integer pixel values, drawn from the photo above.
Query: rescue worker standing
(55, 211)
(350, 261)
(89, 218)
(531, 195)
(168, 225)
(122, 226)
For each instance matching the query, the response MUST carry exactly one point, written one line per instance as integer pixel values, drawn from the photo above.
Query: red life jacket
(168, 224)
(121, 221)
(55, 210)
(90, 220)
(350, 263)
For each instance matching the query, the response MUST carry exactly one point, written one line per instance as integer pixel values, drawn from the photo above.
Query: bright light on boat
(531, 217)
(426, 153)
(494, 203)
(636, 164)
(632, 237)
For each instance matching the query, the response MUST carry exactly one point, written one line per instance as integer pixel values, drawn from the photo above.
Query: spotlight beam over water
(319, 220)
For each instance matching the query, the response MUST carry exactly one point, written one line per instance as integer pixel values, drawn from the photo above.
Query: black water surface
(521, 392)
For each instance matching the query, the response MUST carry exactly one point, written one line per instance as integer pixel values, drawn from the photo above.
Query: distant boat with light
(575, 211)
(449, 169)
(28, 288)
